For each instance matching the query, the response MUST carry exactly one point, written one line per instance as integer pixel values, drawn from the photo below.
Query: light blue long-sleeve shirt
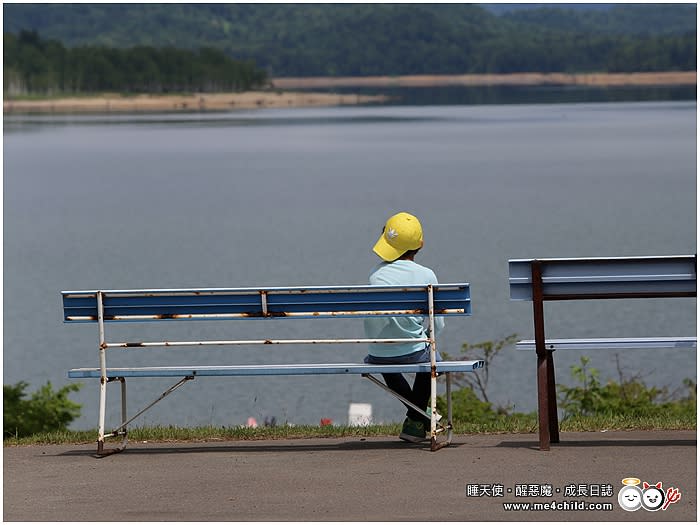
(401, 272)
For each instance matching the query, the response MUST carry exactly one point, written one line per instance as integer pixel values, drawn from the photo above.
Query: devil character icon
(652, 496)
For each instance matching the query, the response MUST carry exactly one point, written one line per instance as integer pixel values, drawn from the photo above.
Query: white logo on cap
(391, 233)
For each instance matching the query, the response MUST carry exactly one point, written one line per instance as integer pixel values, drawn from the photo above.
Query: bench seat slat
(612, 343)
(274, 370)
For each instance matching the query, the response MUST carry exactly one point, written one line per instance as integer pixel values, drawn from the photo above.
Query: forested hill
(385, 39)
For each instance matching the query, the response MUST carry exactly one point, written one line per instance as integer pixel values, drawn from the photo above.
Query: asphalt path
(355, 479)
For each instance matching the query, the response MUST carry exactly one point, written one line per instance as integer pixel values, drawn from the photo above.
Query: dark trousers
(419, 395)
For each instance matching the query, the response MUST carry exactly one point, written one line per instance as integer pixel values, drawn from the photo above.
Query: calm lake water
(298, 197)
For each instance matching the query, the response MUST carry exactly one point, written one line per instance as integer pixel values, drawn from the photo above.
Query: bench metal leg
(121, 430)
(434, 444)
(104, 380)
(434, 430)
(433, 370)
(433, 406)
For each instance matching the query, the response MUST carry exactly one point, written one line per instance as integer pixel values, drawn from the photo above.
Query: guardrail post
(546, 386)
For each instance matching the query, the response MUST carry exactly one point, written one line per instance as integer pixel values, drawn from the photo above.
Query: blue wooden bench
(540, 280)
(275, 305)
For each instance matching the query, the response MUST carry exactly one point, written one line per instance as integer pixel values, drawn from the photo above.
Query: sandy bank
(196, 102)
(287, 99)
(669, 78)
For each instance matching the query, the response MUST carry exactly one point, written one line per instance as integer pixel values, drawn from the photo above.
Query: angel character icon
(630, 496)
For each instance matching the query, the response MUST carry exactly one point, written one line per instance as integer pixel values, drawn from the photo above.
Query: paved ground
(350, 479)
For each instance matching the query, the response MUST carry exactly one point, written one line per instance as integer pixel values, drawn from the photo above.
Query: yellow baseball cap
(402, 233)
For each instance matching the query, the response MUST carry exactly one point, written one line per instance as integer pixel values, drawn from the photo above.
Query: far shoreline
(116, 103)
(282, 94)
(659, 78)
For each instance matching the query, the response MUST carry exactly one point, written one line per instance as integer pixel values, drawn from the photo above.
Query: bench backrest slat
(265, 303)
(606, 278)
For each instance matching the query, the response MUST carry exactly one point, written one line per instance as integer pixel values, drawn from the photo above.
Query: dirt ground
(479, 478)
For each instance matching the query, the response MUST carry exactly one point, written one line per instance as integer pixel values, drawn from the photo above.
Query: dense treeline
(386, 39)
(34, 65)
(621, 19)
(578, 53)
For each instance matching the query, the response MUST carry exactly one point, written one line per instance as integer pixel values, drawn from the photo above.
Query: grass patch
(209, 433)
(515, 424)
(623, 421)
(527, 423)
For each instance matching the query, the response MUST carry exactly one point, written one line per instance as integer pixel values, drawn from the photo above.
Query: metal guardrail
(612, 343)
(605, 277)
(540, 280)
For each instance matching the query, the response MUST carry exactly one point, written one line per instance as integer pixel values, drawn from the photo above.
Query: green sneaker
(413, 431)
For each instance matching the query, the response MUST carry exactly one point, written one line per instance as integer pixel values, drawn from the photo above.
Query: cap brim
(385, 250)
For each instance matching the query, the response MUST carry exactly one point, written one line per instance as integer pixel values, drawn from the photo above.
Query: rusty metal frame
(119, 431)
(122, 430)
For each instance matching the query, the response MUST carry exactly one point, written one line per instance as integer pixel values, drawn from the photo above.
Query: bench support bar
(161, 397)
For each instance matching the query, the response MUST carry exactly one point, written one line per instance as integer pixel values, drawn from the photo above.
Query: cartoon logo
(651, 496)
(391, 233)
(630, 496)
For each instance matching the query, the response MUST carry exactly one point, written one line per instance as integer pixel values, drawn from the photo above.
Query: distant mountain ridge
(393, 39)
(510, 8)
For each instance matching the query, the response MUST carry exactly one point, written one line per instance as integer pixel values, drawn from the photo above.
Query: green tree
(471, 402)
(467, 407)
(33, 65)
(629, 395)
(46, 410)
(485, 351)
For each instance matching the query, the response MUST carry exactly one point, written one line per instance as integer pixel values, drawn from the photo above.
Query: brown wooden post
(545, 365)
(552, 397)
